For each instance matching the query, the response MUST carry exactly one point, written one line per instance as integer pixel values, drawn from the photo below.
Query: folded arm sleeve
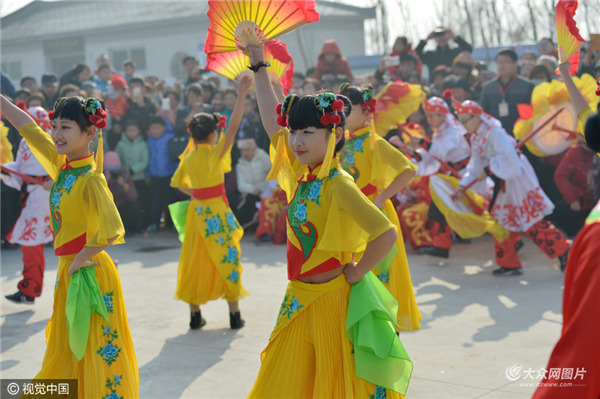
(103, 220)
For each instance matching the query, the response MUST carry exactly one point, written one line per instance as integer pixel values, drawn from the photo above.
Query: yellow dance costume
(309, 354)
(83, 214)
(209, 264)
(374, 167)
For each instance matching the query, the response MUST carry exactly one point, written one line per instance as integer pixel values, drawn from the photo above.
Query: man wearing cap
(50, 88)
(443, 54)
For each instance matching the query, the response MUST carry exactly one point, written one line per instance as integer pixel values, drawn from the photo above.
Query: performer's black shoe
(19, 297)
(564, 258)
(518, 245)
(504, 271)
(235, 321)
(460, 240)
(435, 251)
(197, 321)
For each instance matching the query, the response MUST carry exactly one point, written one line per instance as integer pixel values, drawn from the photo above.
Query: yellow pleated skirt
(311, 357)
(109, 364)
(397, 280)
(209, 264)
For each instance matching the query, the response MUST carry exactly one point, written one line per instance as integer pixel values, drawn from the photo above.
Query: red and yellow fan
(233, 65)
(235, 24)
(567, 34)
(395, 103)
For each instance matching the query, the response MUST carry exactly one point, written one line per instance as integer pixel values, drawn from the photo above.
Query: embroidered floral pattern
(358, 145)
(57, 283)
(234, 276)
(384, 277)
(232, 256)
(380, 393)
(289, 306)
(64, 184)
(112, 384)
(109, 352)
(232, 222)
(69, 183)
(300, 213)
(56, 199)
(349, 158)
(200, 209)
(214, 225)
(314, 193)
(108, 301)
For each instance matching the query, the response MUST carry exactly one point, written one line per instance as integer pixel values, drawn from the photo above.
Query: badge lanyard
(503, 106)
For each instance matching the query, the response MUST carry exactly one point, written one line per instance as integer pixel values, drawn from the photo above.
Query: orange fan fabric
(264, 20)
(567, 33)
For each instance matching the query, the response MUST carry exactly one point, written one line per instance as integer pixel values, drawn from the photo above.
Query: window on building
(13, 69)
(138, 55)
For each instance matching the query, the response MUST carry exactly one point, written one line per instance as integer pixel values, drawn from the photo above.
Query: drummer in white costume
(448, 145)
(518, 204)
(32, 229)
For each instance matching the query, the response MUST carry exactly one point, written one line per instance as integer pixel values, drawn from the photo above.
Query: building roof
(53, 19)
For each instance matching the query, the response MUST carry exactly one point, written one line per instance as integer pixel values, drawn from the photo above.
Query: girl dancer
(95, 349)
(380, 171)
(329, 219)
(209, 265)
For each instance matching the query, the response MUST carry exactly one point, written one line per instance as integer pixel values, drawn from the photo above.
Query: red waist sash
(207, 193)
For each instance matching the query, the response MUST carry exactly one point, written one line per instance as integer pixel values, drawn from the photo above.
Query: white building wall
(162, 43)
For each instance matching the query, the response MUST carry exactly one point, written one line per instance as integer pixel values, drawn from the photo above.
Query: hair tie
(222, 122)
(96, 114)
(447, 94)
(281, 115)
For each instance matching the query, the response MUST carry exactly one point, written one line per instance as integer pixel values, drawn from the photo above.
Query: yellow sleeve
(223, 162)
(352, 219)
(388, 163)
(6, 154)
(41, 145)
(181, 178)
(286, 168)
(103, 220)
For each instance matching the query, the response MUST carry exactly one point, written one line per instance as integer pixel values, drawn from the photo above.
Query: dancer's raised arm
(267, 101)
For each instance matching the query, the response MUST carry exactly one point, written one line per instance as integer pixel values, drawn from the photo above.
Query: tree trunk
(532, 20)
(469, 22)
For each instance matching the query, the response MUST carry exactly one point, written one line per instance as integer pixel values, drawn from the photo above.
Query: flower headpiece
(370, 102)
(283, 109)
(330, 107)
(221, 120)
(598, 89)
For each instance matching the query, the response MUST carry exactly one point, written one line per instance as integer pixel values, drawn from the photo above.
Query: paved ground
(475, 325)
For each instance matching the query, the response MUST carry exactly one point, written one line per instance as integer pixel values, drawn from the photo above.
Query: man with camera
(443, 54)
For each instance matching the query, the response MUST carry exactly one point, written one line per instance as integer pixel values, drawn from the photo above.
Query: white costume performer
(32, 229)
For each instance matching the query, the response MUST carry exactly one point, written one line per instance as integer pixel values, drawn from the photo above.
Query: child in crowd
(160, 169)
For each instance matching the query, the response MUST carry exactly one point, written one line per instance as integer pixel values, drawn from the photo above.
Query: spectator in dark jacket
(443, 54)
